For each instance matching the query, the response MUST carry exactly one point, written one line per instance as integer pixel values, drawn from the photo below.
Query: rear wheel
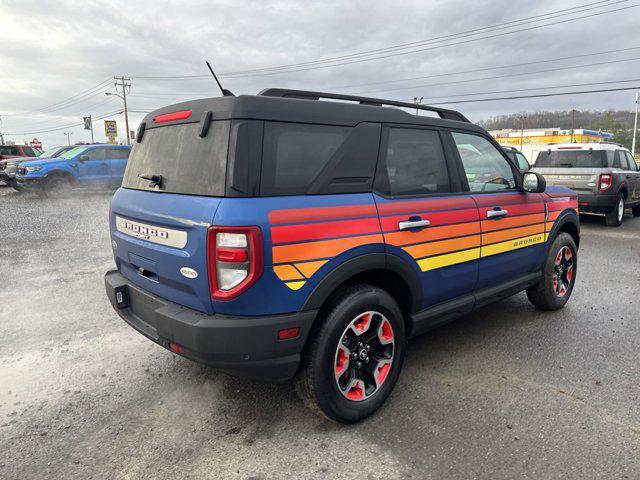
(558, 275)
(355, 357)
(614, 217)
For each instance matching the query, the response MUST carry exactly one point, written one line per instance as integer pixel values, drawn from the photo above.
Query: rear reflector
(175, 348)
(233, 255)
(288, 333)
(170, 117)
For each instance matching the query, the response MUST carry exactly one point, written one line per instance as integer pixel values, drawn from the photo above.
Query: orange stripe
(445, 246)
(494, 237)
(287, 272)
(549, 226)
(321, 249)
(432, 233)
(554, 215)
(509, 222)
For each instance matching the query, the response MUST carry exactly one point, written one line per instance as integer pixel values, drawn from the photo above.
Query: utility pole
(635, 127)
(68, 134)
(522, 119)
(417, 101)
(125, 84)
(573, 121)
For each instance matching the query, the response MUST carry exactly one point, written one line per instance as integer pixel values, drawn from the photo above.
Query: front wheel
(614, 217)
(355, 356)
(57, 186)
(553, 290)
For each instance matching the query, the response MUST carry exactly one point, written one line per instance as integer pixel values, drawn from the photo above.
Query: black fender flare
(567, 216)
(360, 264)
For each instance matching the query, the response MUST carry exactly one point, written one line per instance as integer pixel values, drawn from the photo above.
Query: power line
(101, 117)
(541, 95)
(496, 77)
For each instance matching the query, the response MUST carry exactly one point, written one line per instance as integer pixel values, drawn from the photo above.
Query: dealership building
(532, 141)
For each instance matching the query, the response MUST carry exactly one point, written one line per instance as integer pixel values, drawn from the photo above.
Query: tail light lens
(605, 181)
(234, 259)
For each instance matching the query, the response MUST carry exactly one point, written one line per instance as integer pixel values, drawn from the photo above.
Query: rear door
(425, 217)
(93, 169)
(117, 163)
(632, 176)
(512, 221)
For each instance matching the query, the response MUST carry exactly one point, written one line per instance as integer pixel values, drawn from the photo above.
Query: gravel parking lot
(508, 392)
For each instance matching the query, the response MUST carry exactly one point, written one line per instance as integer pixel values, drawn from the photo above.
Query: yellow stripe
(514, 244)
(295, 285)
(440, 261)
(309, 268)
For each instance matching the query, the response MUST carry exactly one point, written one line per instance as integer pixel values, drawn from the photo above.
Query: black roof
(305, 107)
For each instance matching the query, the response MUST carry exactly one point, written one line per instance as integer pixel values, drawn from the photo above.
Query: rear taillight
(234, 260)
(605, 181)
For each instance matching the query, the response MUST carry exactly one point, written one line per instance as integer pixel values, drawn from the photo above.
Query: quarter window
(294, 154)
(414, 164)
(485, 167)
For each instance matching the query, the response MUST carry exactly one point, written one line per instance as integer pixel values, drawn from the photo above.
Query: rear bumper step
(247, 346)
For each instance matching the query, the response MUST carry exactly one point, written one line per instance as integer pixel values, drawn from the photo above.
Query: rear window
(188, 163)
(571, 159)
(294, 154)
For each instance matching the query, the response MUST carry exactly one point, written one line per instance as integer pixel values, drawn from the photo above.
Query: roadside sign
(87, 122)
(110, 128)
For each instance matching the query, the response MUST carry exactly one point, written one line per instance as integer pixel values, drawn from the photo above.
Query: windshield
(49, 152)
(186, 162)
(68, 155)
(570, 159)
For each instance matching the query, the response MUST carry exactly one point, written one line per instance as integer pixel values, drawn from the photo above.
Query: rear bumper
(596, 203)
(247, 346)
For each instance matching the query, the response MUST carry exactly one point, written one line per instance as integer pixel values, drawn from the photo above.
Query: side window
(294, 155)
(116, 153)
(29, 151)
(486, 169)
(617, 160)
(97, 154)
(523, 164)
(633, 166)
(414, 164)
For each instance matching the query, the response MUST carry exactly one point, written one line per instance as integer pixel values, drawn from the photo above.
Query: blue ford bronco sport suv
(85, 166)
(282, 235)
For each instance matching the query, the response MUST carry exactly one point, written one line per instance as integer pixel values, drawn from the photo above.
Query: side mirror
(83, 158)
(533, 182)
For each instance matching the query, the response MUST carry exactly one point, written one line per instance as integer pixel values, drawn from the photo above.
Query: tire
(636, 211)
(558, 275)
(615, 217)
(340, 378)
(13, 184)
(57, 186)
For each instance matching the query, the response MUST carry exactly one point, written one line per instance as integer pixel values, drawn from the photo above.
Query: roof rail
(378, 102)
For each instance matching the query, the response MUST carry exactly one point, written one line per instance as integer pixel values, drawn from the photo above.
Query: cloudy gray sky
(58, 58)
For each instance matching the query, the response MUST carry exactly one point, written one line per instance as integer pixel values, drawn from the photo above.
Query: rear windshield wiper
(153, 179)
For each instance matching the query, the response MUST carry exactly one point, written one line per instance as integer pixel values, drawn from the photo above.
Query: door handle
(497, 213)
(628, 176)
(409, 224)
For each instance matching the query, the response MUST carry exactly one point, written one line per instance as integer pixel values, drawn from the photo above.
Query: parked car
(518, 158)
(11, 151)
(88, 166)
(279, 235)
(604, 175)
(9, 167)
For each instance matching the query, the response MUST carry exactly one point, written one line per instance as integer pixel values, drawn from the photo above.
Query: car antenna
(224, 91)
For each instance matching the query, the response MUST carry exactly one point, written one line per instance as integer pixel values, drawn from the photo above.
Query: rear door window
(188, 163)
(414, 164)
(294, 154)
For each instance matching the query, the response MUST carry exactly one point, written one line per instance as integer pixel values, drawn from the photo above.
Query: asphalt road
(507, 392)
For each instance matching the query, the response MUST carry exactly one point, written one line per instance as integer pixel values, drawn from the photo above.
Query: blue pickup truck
(86, 166)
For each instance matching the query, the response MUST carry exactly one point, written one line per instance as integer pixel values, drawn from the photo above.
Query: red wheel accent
(356, 392)
(383, 371)
(361, 324)
(386, 333)
(342, 361)
(570, 273)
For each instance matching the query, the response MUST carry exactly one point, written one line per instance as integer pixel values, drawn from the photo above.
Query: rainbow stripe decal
(305, 239)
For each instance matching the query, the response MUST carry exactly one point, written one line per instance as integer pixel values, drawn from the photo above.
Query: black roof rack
(378, 102)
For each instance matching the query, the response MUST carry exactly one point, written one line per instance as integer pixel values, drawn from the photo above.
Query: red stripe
(451, 203)
(298, 215)
(390, 224)
(315, 231)
(555, 206)
(490, 200)
(516, 209)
